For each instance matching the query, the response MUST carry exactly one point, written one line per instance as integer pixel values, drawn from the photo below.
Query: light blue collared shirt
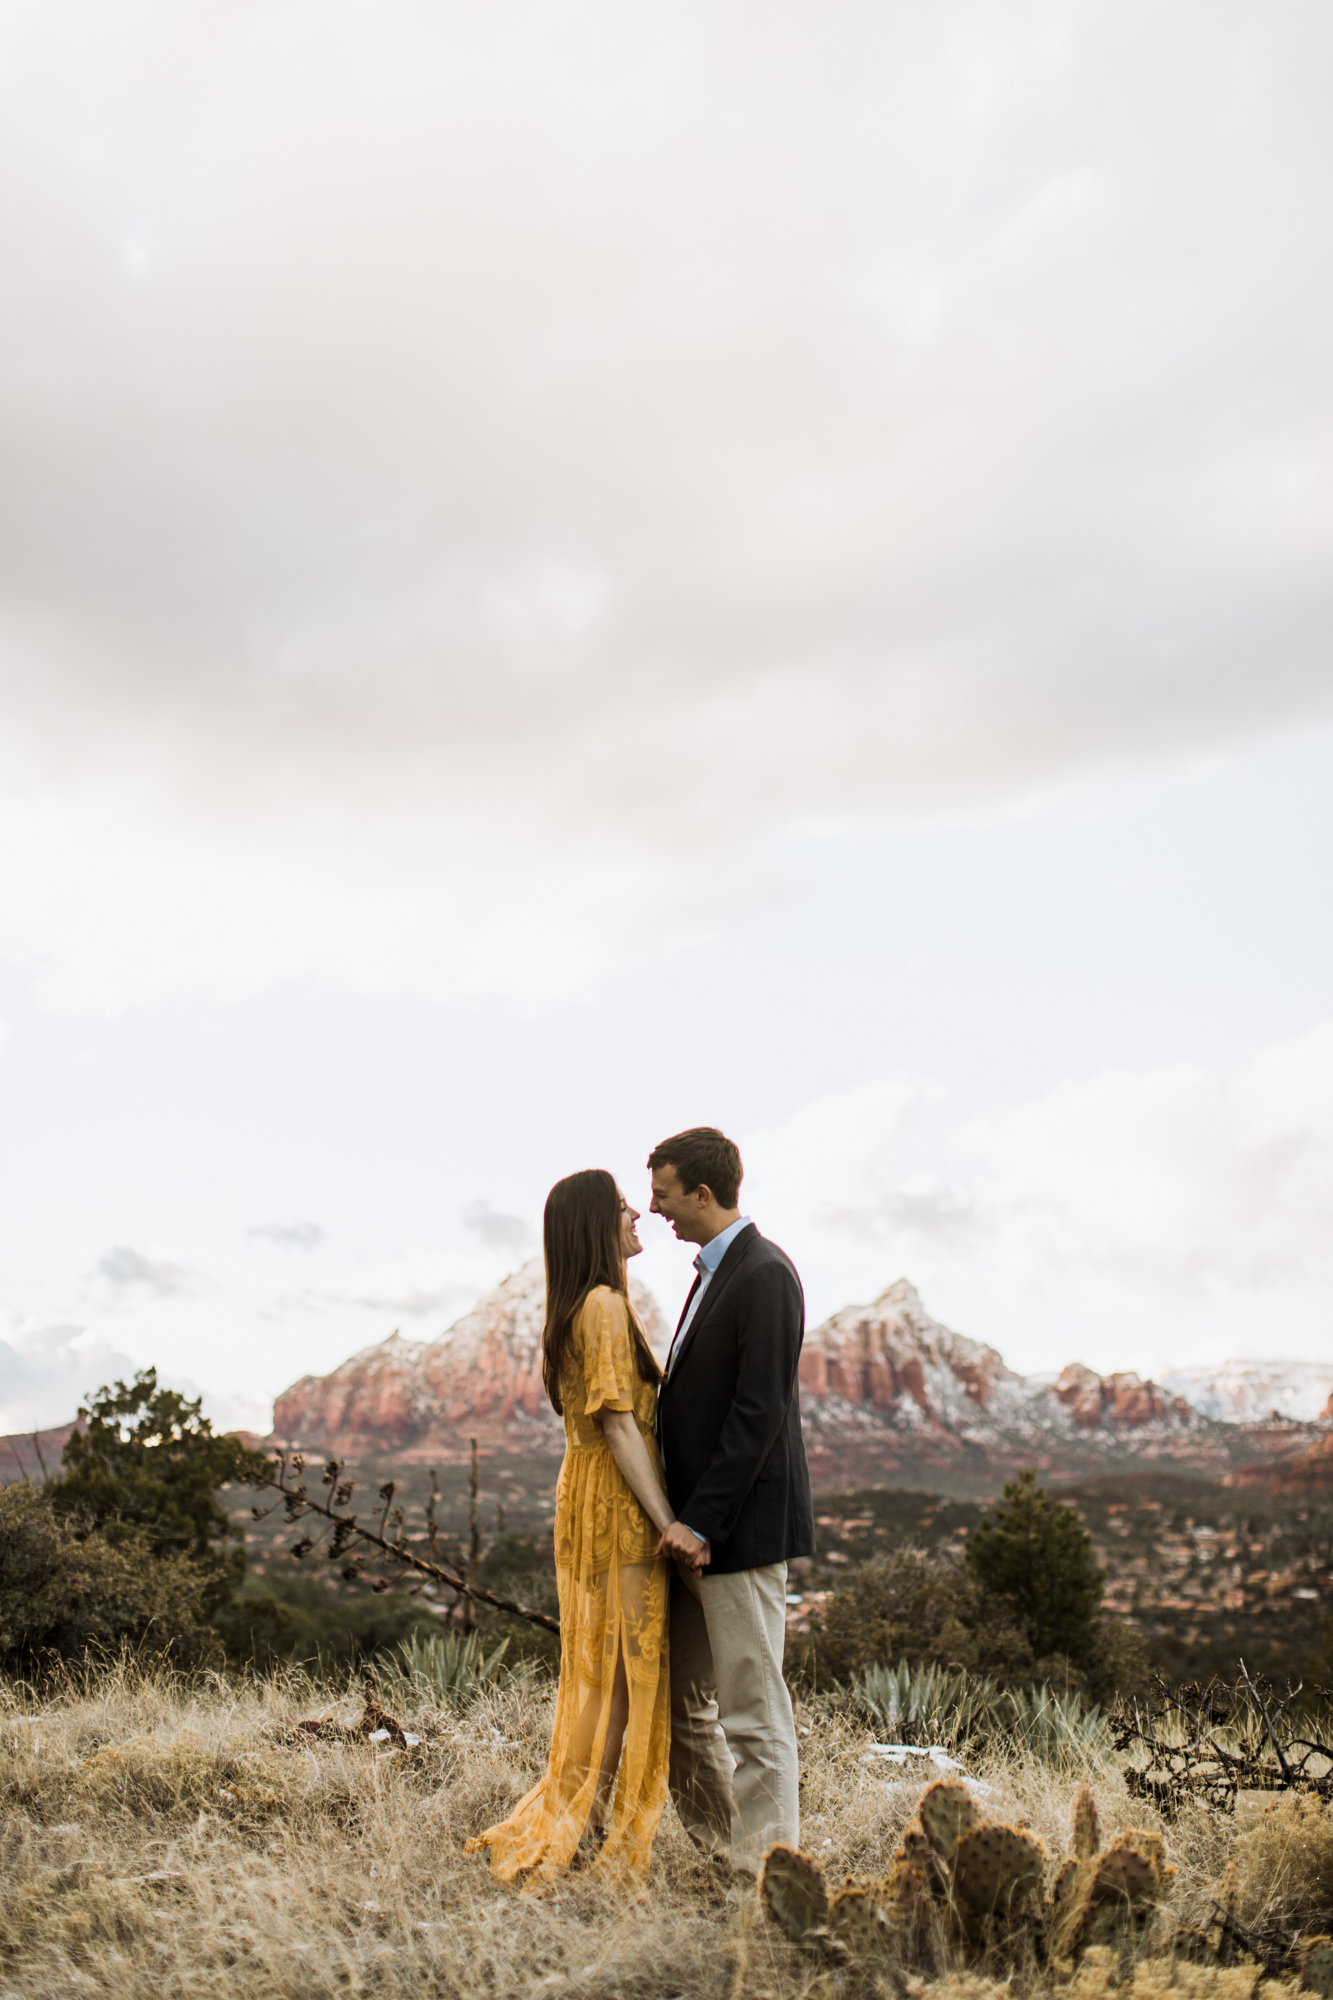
(705, 1264)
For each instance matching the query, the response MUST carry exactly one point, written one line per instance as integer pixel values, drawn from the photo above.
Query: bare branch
(347, 1529)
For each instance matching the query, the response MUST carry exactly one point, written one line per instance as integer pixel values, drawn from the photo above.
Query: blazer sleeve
(768, 1321)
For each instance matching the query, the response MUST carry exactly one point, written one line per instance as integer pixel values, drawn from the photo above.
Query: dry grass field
(170, 1839)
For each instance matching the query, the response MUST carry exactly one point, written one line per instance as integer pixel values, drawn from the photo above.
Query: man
(729, 1423)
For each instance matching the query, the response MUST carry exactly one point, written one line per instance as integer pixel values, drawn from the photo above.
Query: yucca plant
(923, 1704)
(952, 1708)
(449, 1668)
(1061, 1731)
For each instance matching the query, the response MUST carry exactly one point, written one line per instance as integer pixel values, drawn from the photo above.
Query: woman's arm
(631, 1454)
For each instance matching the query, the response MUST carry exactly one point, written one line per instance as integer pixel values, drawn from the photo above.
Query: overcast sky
(571, 570)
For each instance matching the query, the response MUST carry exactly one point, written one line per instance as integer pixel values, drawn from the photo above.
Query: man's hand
(677, 1541)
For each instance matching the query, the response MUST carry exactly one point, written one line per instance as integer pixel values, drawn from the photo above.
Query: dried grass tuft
(1285, 1868)
(169, 1841)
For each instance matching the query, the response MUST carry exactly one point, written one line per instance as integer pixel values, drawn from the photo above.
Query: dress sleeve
(609, 1373)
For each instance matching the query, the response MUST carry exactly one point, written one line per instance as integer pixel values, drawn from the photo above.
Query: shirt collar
(712, 1253)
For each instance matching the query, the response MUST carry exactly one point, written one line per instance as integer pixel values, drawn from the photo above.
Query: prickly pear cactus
(947, 1811)
(792, 1886)
(958, 1882)
(856, 1922)
(1087, 1838)
(1067, 1878)
(1111, 1898)
(996, 1869)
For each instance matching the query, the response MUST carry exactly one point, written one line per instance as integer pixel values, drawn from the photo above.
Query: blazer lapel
(725, 1272)
(688, 1296)
(672, 1356)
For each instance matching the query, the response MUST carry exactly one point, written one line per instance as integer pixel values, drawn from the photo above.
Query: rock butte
(885, 1389)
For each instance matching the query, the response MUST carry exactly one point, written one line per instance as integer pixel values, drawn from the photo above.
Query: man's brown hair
(703, 1157)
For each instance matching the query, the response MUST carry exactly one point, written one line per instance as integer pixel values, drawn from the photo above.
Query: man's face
(685, 1212)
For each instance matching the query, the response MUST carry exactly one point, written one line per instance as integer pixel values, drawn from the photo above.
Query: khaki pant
(733, 1735)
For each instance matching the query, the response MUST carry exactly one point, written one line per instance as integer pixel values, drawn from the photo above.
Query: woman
(612, 1707)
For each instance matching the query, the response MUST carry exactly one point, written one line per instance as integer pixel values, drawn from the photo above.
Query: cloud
(289, 1235)
(123, 1266)
(1128, 1218)
(432, 432)
(46, 1372)
(448, 1299)
(497, 1231)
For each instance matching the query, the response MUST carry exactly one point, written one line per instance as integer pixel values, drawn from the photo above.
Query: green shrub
(929, 1610)
(447, 1668)
(146, 1468)
(64, 1593)
(1035, 1556)
(908, 1605)
(296, 1620)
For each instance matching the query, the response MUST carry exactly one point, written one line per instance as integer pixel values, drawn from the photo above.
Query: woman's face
(630, 1245)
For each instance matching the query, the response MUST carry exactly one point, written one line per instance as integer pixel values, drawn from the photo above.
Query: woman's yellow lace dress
(613, 1602)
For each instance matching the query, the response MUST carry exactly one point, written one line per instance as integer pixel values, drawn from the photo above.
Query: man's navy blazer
(729, 1414)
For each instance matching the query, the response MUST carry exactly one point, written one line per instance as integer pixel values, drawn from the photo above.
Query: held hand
(677, 1541)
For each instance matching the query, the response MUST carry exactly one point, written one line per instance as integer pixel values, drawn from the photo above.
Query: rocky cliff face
(481, 1378)
(888, 1391)
(888, 1394)
(1117, 1402)
(892, 1357)
(34, 1455)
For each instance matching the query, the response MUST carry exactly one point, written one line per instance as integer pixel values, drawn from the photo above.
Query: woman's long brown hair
(581, 1237)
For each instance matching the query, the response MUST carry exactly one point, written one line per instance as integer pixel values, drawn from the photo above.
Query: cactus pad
(1126, 1875)
(1317, 1967)
(1150, 1846)
(1067, 1879)
(855, 1921)
(1087, 1834)
(947, 1812)
(905, 1889)
(995, 1867)
(792, 1886)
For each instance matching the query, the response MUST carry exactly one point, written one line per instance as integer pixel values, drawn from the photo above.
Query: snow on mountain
(894, 1358)
(1247, 1392)
(888, 1392)
(481, 1378)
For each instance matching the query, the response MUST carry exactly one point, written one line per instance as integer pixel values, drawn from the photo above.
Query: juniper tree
(1037, 1557)
(146, 1463)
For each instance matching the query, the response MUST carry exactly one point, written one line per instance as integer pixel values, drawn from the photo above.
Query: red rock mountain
(482, 1378)
(1116, 1402)
(34, 1454)
(888, 1393)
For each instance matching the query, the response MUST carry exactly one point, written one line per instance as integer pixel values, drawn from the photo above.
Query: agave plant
(936, 1705)
(449, 1668)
